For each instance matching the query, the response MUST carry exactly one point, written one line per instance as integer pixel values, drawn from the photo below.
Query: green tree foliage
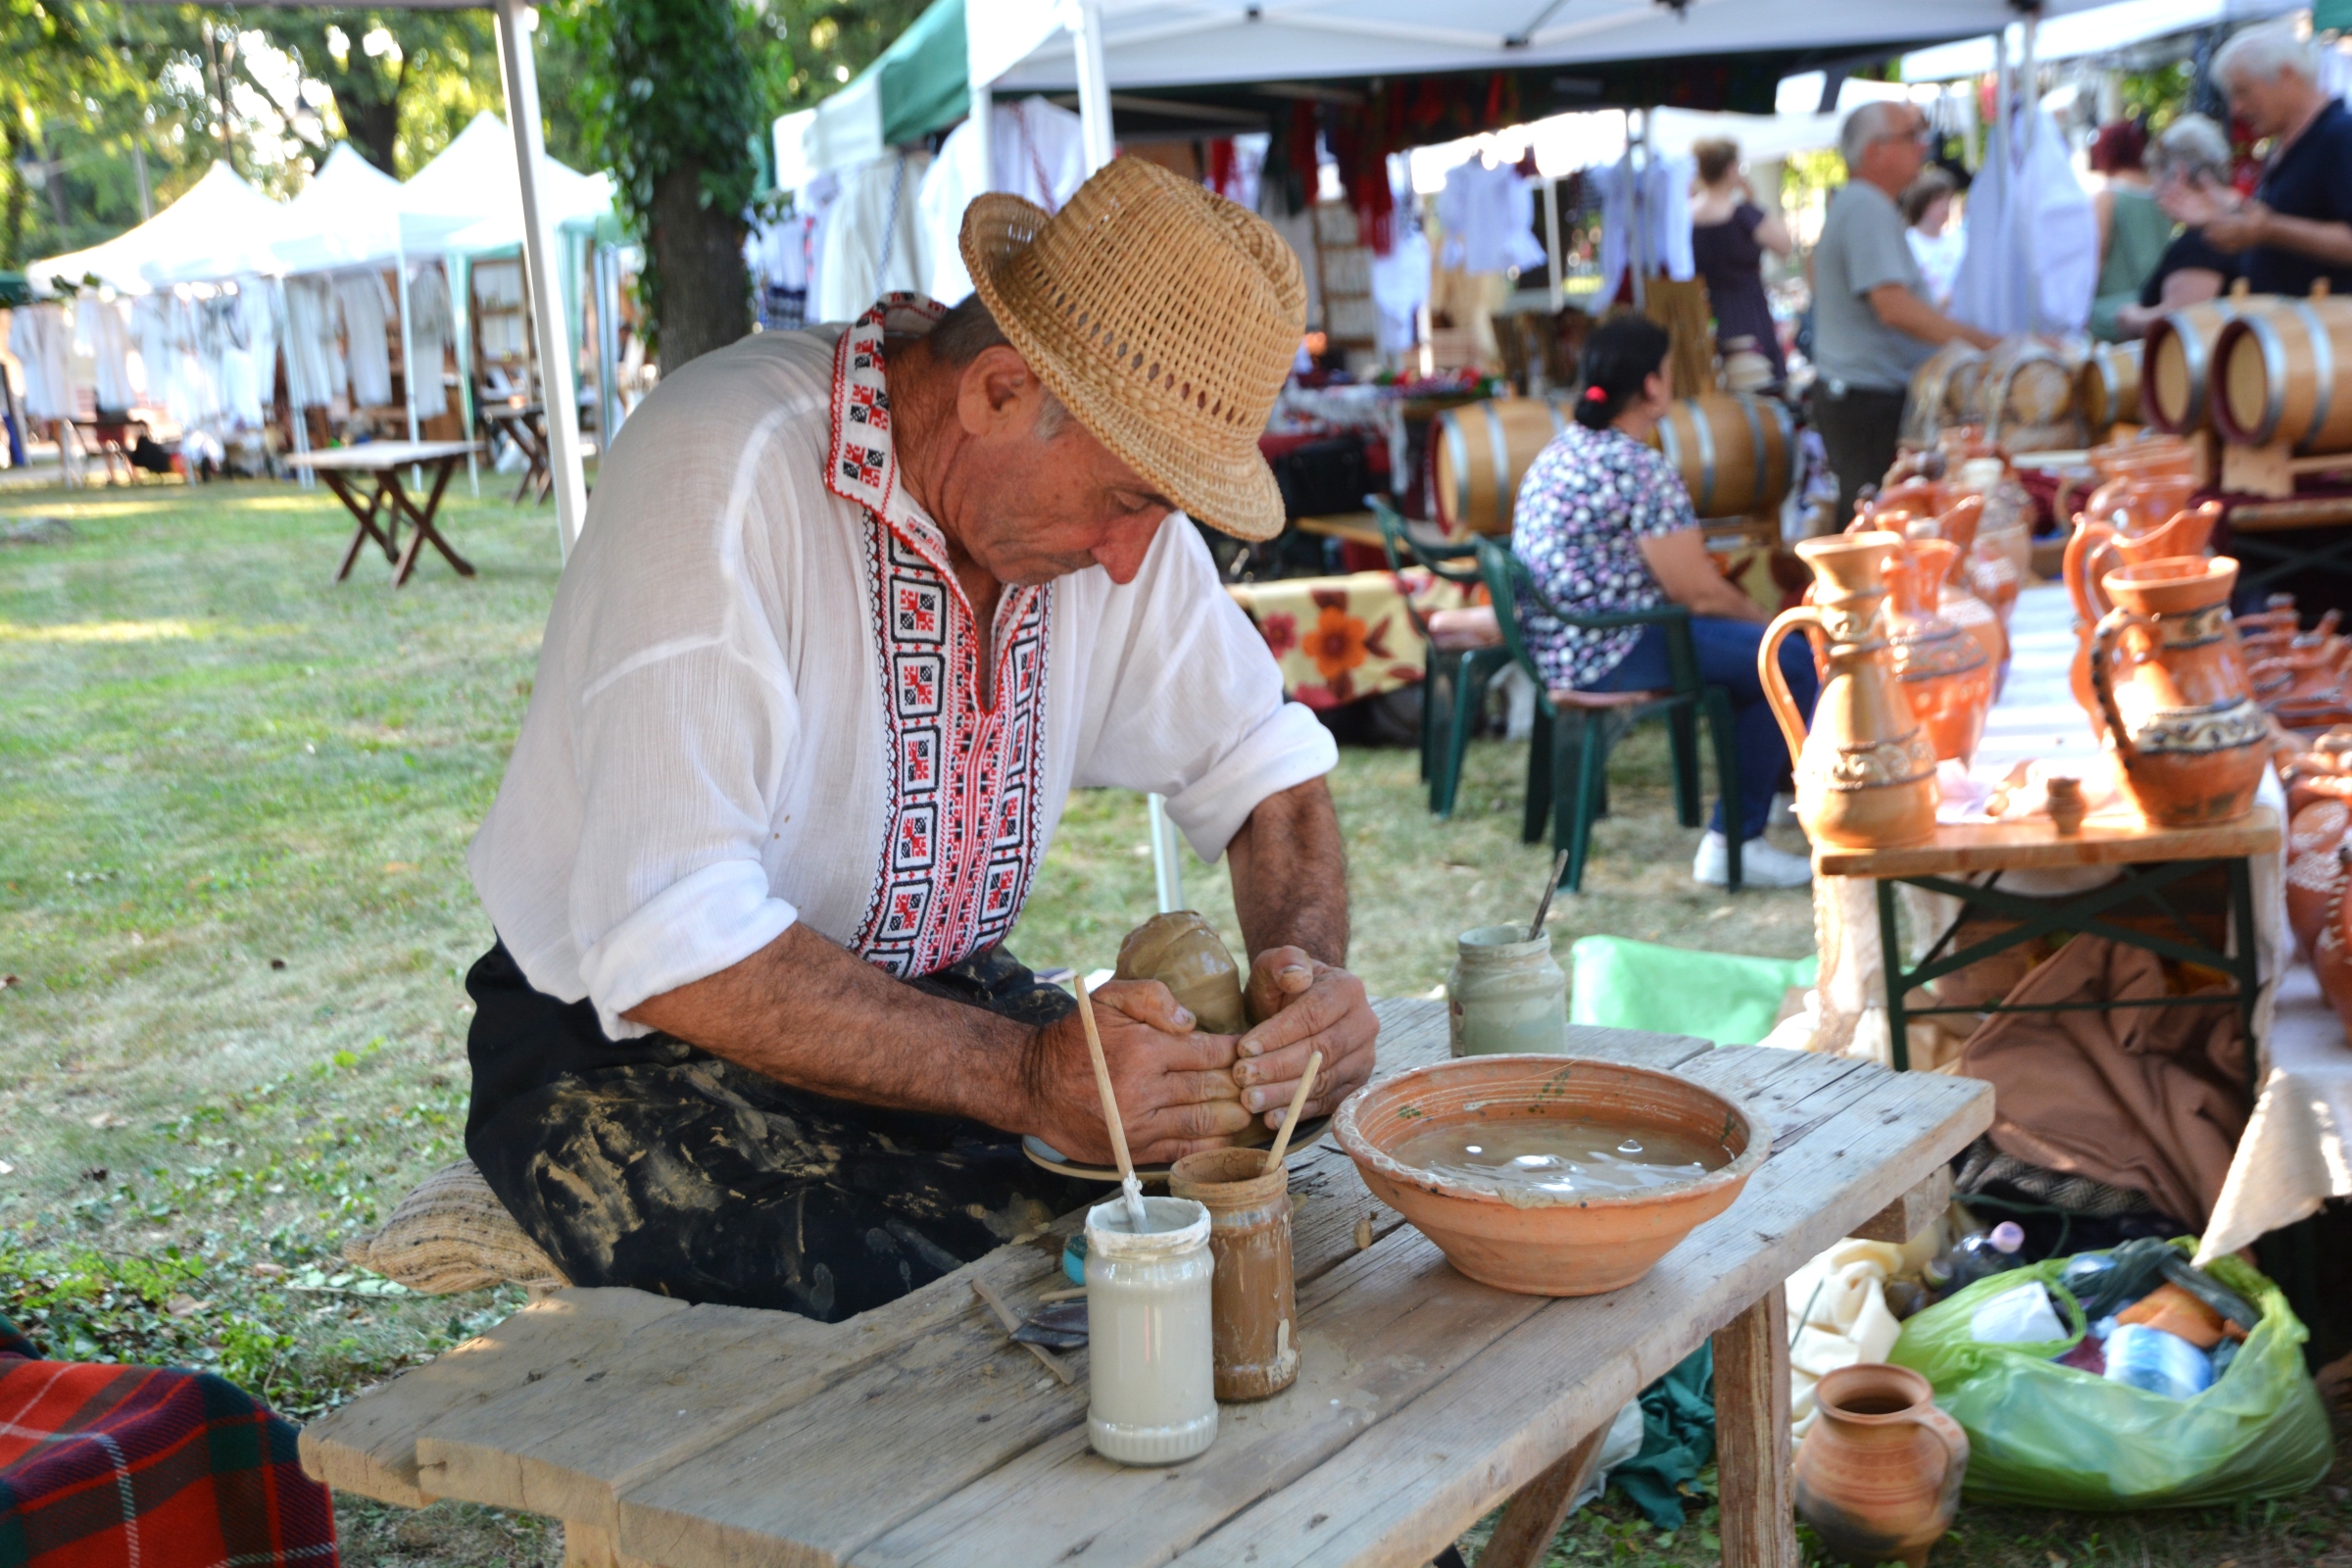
(401, 83)
(60, 76)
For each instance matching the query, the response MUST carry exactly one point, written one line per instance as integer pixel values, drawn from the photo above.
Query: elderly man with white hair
(2298, 227)
(1872, 323)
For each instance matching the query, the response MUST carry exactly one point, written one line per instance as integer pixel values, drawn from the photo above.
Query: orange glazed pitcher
(2190, 741)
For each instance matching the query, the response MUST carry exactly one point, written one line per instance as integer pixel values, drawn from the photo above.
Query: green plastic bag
(2052, 1436)
(1723, 997)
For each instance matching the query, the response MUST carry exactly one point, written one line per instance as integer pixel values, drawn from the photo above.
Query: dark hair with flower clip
(1621, 355)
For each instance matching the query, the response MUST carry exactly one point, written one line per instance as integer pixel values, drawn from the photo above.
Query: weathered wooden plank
(1374, 1333)
(1751, 1437)
(1415, 1479)
(1522, 1537)
(1912, 1212)
(369, 1445)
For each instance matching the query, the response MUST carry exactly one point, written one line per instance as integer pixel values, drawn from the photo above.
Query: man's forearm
(1897, 307)
(1289, 875)
(787, 1010)
(2322, 242)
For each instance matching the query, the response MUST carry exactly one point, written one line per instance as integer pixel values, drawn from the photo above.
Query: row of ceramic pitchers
(2190, 741)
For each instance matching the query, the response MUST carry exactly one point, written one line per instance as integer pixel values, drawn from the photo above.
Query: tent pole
(605, 273)
(557, 390)
(458, 272)
(1094, 86)
(408, 348)
(984, 133)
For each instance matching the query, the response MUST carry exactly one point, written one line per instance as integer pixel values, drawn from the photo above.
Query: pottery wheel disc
(1042, 1153)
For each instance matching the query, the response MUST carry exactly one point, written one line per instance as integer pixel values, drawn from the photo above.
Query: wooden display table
(713, 1437)
(338, 467)
(1348, 528)
(2149, 861)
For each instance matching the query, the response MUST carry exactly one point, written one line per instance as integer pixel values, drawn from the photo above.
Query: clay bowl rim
(1734, 1174)
(1843, 543)
(1824, 1395)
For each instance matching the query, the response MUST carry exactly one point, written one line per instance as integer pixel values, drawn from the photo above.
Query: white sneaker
(1761, 864)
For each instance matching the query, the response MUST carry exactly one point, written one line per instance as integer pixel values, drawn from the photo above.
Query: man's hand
(2243, 229)
(1175, 1086)
(1304, 1006)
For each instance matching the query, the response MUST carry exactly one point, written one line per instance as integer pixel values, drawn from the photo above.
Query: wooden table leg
(1534, 1514)
(365, 514)
(1751, 1437)
(421, 520)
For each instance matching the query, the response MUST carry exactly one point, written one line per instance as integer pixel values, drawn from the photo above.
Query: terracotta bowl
(1544, 1244)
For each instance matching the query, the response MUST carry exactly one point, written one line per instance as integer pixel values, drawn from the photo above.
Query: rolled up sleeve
(1191, 705)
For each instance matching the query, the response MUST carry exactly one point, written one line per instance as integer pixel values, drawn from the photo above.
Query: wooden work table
(712, 1436)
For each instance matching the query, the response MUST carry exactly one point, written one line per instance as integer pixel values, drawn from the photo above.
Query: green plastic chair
(1568, 755)
(1453, 680)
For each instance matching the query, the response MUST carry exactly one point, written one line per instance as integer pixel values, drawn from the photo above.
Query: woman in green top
(2132, 229)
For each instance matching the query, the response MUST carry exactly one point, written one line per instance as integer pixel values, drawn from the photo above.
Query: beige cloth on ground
(2143, 1098)
(452, 1234)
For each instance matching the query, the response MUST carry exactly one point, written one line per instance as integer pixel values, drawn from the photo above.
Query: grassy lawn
(234, 800)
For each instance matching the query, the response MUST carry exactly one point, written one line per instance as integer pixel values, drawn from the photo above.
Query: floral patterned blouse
(1587, 499)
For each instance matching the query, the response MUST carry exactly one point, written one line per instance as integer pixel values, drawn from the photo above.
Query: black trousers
(1860, 433)
(648, 1162)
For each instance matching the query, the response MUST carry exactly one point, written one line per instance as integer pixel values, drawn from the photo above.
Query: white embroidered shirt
(758, 703)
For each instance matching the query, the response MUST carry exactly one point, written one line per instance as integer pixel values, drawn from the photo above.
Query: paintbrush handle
(1110, 1101)
(1290, 1120)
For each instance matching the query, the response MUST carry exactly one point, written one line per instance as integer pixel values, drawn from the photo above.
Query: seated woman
(1603, 523)
(2190, 162)
(2134, 230)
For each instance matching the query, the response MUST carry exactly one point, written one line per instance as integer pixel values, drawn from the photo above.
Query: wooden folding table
(713, 1437)
(345, 469)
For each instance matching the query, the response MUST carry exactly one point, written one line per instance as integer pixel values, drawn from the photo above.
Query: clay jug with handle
(1878, 1476)
(2098, 548)
(2187, 737)
(1866, 770)
(1946, 674)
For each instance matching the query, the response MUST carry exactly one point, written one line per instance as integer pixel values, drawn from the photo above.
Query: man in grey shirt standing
(1872, 323)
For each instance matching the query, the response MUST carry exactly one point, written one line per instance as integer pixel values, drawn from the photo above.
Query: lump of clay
(1182, 952)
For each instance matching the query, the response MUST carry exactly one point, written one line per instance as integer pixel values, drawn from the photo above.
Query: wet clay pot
(1866, 768)
(1913, 498)
(1184, 952)
(2331, 950)
(1945, 672)
(2139, 503)
(2313, 875)
(1253, 1310)
(1878, 1476)
(2187, 738)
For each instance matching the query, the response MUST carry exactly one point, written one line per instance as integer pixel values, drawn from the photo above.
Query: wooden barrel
(2107, 387)
(2276, 377)
(1734, 452)
(2176, 366)
(1481, 451)
(2028, 387)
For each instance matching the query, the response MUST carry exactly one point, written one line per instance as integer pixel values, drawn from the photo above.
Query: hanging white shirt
(1488, 215)
(314, 363)
(874, 241)
(40, 338)
(756, 703)
(432, 329)
(367, 314)
(1663, 188)
(102, 331)
(1037, 151)
(2032, 255)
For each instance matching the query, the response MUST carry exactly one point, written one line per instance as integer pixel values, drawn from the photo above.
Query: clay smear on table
(1541, 1158)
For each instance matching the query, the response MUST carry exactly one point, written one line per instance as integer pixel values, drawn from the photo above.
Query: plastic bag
(1723, 998)
(2052, 1436)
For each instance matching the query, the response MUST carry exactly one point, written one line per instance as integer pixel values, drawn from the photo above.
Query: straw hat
(1164, 317)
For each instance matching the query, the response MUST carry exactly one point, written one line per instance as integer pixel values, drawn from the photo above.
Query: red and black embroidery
(964, 782)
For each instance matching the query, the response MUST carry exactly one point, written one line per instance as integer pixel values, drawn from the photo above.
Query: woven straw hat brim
(1194, 440)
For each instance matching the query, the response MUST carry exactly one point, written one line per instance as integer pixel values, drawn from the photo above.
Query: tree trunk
(13, 216)
(705, 300)
(372, 125)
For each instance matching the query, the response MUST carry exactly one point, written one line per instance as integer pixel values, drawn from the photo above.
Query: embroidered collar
(864, 461)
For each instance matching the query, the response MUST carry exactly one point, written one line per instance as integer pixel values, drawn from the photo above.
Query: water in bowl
(1555, 1154)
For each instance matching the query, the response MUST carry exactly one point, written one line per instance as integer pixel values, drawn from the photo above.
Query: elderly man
(2298, 228)
(1872, 323)
(853, 612)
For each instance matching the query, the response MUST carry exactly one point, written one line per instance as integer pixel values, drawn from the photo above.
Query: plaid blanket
(103, 1466)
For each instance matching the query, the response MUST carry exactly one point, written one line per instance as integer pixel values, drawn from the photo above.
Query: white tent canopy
(474, 174)
(218, 205)
(1022, 45)
(2102, 29)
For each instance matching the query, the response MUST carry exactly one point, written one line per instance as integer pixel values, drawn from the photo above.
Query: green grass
(234, 799)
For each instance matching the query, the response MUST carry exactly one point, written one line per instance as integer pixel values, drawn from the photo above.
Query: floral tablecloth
(1339, 639)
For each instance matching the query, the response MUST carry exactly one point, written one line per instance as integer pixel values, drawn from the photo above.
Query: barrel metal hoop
(2268, 339)
(1755, 443)
(2322, 371)
(1507, 494)
(2194, 368)
(1704, 429)
(1458, 448)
